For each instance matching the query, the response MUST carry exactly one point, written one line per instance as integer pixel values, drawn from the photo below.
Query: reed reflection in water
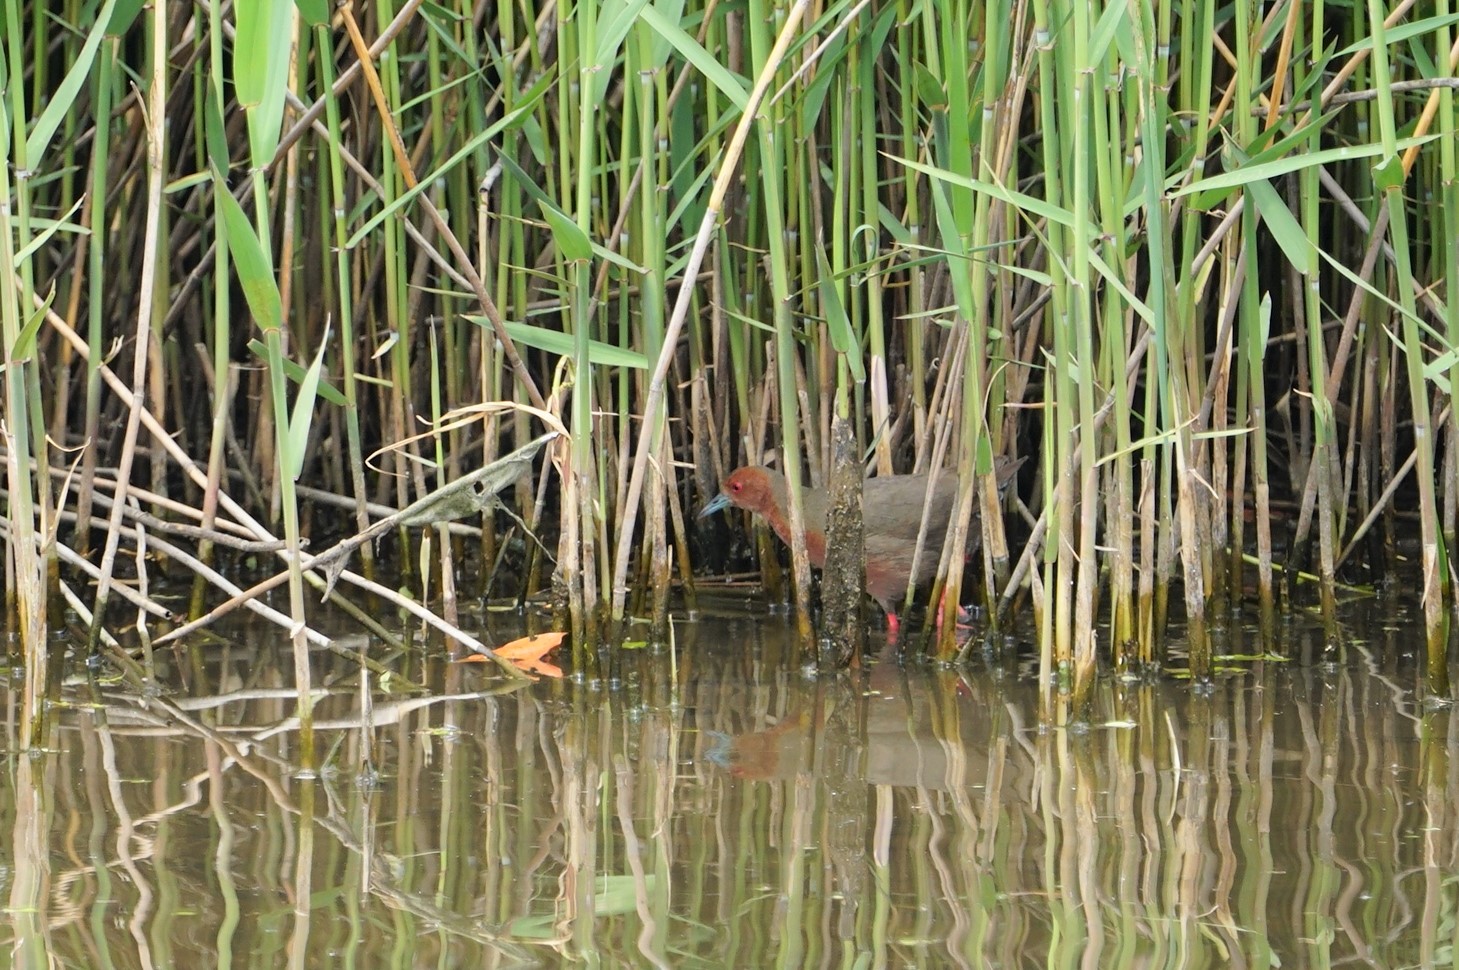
(748, 816)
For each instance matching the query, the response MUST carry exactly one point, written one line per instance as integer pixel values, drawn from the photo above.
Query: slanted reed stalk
(1195, 260)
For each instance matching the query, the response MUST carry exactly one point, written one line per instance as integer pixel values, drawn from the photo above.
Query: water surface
(734, 811)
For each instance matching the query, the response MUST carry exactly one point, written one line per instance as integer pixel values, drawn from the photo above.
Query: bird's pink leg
(964, 619)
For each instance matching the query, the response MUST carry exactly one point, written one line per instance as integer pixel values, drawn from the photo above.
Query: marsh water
(723, 807)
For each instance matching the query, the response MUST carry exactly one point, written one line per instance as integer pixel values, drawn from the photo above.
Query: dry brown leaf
(531, 648)
(527, 653)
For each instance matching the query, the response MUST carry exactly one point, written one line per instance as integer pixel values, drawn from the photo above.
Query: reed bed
(1196, 260)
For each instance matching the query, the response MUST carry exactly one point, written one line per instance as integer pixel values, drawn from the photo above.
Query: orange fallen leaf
(531, 648)
(527, 653)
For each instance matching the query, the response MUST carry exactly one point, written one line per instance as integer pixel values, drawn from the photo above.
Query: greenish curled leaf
(25, 341)
(302, 417)
(250, 260)
(296, 374)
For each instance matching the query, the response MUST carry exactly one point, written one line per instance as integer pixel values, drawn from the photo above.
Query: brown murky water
(741, 813)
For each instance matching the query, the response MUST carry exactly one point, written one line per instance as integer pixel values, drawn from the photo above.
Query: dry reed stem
(199, 478)
(147, 286)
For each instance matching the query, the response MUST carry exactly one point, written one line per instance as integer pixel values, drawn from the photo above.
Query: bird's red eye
(736, 486)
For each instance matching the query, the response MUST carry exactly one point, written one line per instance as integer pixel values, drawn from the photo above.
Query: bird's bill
(719, 502)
